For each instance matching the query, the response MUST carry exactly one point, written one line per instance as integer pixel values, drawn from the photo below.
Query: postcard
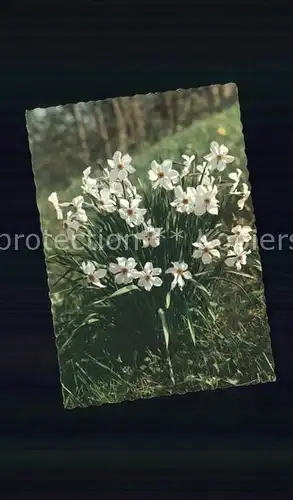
(150, 242)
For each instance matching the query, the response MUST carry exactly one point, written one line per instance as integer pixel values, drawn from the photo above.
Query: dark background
(229, 440)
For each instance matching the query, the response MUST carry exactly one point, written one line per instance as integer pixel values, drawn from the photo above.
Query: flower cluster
(113, 192)
(125, 272)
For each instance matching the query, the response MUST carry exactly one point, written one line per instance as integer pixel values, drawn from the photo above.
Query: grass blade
(165, 327)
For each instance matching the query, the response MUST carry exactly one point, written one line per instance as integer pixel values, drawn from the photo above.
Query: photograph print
(150, 243)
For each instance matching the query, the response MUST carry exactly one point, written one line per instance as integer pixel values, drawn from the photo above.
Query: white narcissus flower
(207, 182)
(150, 236)
(163, 175)
(79, 212)
(187, 162)
(120, 166)
(149, 277)
(93, 274)
(218, 157)
(130, 211)
(206, 201)
(53, 198)
(235, 176)
(237, 257)
(206, 250)
(245, 195)
(105, 202)
(116, 188)
(240, 236)
(124, 270)
(89, 185)
(77, 202)
(71, 226)
(180, 273)
(184, 201)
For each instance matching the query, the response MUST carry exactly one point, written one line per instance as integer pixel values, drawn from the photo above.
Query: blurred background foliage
(64, 140)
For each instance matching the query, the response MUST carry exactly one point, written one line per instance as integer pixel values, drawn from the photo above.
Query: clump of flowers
(187, 198)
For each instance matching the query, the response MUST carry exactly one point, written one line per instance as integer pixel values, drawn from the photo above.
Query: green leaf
(203, 289)
(61, 278)
(165, 327)
(232, 283)
(212, 314)
(190, 327)
(168, 300)
(257, 266)
(92, 320)
(239, 273)
(232, 381)
(117, 293)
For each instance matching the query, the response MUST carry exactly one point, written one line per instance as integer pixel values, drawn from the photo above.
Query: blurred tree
(65, 139)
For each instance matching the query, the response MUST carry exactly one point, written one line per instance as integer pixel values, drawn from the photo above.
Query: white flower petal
(174, 283)
(148, 285)
(223, 150)
(100, 273)
(141, 282)
(117, 157)
(187, 275)
(200, 209)
(167, 183)
(166, 166)
(157, 281)
(230, 262)
(171, 270)
(215, 148)
(122, 174)
(197, 254)
(206, 258)
(126, 159)
(148, 267)
(131, 169)
(228, 158)
(130, 264)
(155, 166)
(124, 203)
(153, 176)
(120, 278)
(180, 282)
(122, 261)
(173, 175)
(215, 252)
(114, 268)
(111, 163)
(113, 174)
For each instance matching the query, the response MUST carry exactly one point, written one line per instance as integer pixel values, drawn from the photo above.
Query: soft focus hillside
(66, 139)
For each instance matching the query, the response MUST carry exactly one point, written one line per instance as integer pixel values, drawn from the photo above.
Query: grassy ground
(231, 344)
